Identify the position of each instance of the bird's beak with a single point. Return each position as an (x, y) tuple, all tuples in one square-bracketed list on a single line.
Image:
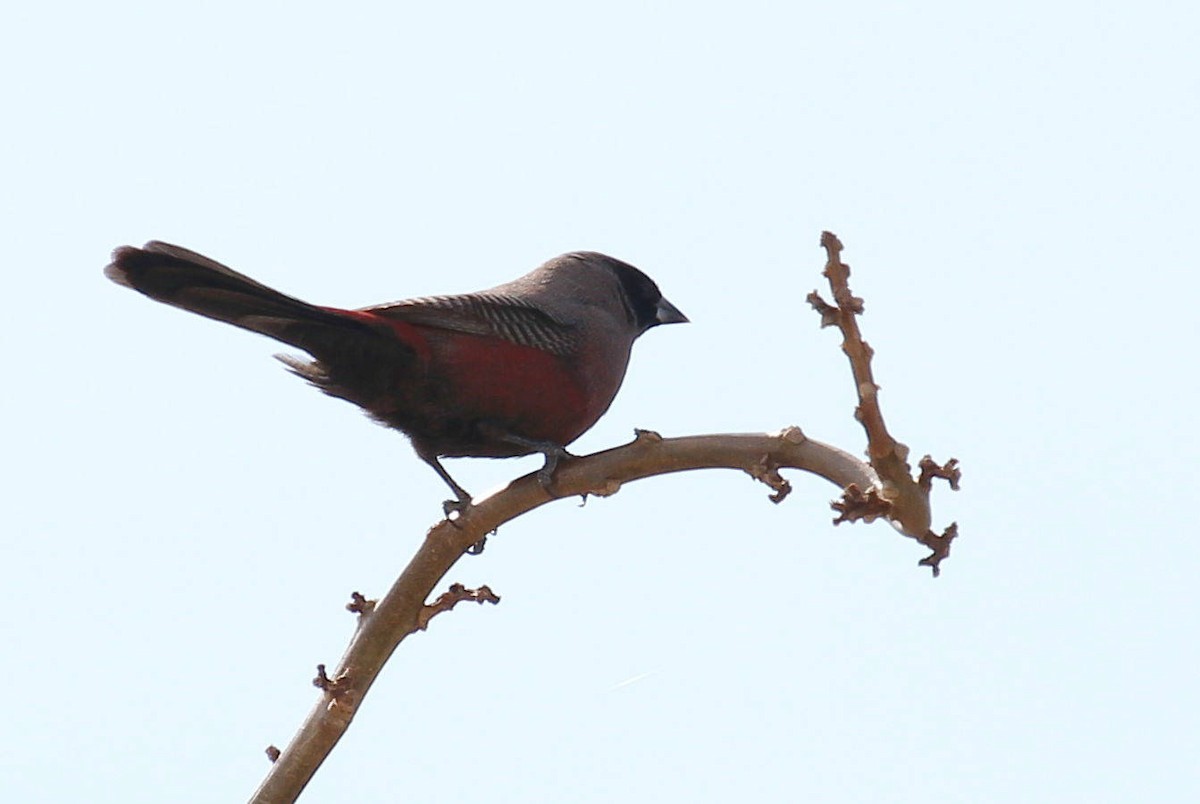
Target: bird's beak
[(669, 314)]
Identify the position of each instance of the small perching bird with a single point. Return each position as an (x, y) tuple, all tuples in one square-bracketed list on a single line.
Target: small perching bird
[(527, 366)]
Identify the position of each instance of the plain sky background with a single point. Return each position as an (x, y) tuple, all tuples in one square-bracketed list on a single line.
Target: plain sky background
[(1016, 186)]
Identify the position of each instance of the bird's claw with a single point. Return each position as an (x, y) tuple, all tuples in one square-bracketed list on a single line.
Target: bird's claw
[(554, 454), (459, 506)]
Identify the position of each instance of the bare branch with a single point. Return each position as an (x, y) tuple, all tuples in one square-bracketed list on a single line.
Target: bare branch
[(940, 546), (451, 598), (904, 501), (930, 469), (857, 505), (402, 610)]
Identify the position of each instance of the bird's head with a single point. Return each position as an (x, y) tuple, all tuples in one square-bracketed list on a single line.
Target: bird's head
[(643, 302)]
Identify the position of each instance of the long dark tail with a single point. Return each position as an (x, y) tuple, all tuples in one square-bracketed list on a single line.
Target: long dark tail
[(363, 363), (192, 282)]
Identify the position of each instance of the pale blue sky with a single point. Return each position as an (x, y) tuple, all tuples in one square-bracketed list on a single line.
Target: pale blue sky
[(1016, 186)]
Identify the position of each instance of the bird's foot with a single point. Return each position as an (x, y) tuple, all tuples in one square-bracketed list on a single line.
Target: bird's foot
[(459, 506), (554, 453)]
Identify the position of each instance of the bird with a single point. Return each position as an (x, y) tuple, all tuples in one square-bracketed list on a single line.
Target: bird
[(525, 367)]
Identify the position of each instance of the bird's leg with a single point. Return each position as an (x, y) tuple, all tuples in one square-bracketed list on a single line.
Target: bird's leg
[(449, 506), (552, 452)]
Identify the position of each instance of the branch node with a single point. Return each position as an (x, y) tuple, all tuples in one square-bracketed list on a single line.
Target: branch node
[(766, 470), (359, 604), (828, 313), (858, 505), (273, 753), (646, 436), (948, 471), (610, 487), (451, 598), (940, 545), (793, 435), (900, 451), (338, 691), (323, 681), (831, 244)]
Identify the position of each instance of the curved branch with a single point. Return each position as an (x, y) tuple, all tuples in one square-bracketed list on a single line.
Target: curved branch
[(402, 611), (898, 497)]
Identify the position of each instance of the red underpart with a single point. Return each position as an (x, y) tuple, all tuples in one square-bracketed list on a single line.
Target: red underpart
[(528, 391), (532, 392)]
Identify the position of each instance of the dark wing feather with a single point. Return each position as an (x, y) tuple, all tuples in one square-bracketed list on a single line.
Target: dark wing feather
[(489, 314)]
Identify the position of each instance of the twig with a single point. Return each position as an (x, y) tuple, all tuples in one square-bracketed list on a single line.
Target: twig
[(899, 498), (359, 604), (451, 598)]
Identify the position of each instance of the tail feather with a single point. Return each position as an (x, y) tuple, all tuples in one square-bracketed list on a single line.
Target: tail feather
[(355, 357), (193, 282)]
